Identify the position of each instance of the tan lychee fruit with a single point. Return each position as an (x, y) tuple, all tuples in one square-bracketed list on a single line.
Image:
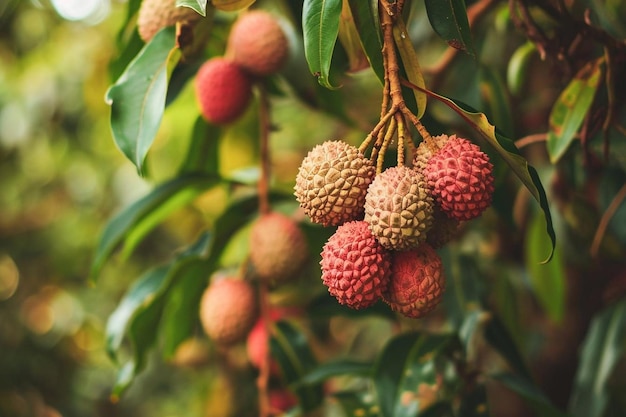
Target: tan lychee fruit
[(228, 310), (278, 248), (355, 267), (461, 179), (398, 208), (223, 90), (332, 182), (444, 229), (425, 151), (257, 43), (417, 282), (154, 15)]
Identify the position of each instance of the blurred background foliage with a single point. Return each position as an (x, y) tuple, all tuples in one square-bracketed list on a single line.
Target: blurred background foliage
[(62, 178)]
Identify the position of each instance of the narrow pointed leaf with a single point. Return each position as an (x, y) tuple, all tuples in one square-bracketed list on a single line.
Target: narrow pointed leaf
[(349, 37), (542, 406), (411, 64), (337, 368), (232, 5), (137, 98), (320, 23), (571, 108), (603, 347), (203, 153), (198, 5), (367, 22), (449, 19)]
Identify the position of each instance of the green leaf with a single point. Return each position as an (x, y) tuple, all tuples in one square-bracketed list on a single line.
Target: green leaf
[(137, 98), (203, 153), (508, 152), (198, 5), (337, 368), (365, 15), (602, 349), (320, 22), (474, 402), (291, 349), (449, 20), (530, 393), (232, 5), (405, 370), (548, 280), (500, 339), (517, 69), (147, 208), (570, 109), (411, 64), (356, 404)]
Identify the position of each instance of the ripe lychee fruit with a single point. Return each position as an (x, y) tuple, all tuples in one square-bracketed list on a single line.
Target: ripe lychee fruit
[(278, 248), (155, 15), (425, 151), (417, 281), (223, 90), (332, 182), (398, 208), (355, 267), (257, 43), (228, 310), (461, 179)]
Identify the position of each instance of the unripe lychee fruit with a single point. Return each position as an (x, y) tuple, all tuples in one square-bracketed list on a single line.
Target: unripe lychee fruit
[(154, 15), (355, 267), (461, 179), (424, 152), (278, 248), (228, 310), (332, 182), (417, 281), (257, 43), (223, 90), (398, 208)]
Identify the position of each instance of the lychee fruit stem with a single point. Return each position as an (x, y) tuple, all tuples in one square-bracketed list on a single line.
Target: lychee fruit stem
[(264, 131), (262, 381), (391, 129)]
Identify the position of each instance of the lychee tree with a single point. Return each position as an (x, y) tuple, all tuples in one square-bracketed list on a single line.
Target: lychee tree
[(385, 228)]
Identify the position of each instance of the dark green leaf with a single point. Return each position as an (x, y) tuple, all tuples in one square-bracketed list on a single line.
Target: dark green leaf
[(517, 69), (449, 19), (602, 348), (530, 393), (474, 403), (548, 280), (337, 368), (202, 156), (571, 108), (405, 373), (494, 95), (137, 98), (365, 15), (356, 404), (291, 349), (198, 5), (139, 215), (500, 339), (320, 22), (129, 51)]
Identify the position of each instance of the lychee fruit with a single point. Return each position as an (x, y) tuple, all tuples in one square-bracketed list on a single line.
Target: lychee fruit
[(426, 150), (398, 208), (281, 400), (228, 310), (417, 282), (355, 267), (223, 90), (278, 248), (461, 179), (155, 15), (257, 43), (444, 229), (332, 182)]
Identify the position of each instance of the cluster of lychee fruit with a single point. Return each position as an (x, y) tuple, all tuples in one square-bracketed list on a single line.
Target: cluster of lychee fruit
[(390, 223), (256, 47)]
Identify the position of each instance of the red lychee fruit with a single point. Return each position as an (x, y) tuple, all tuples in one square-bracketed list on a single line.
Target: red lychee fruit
[(228, 310), (424, 152), (154, 15), (281, 400), (461, 179), (223, 91), (257, 43), (417, 281), (278, 248), (355, 267), (332, 182)]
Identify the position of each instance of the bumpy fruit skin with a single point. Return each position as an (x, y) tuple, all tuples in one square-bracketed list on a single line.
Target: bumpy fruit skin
[(444, 229), (332, 182), (423, 152), (223, 90), (228, 309), (398, 208), (417, 282), (355, 267), (461, 179), (278, 248), (257, 43), (154, 15)]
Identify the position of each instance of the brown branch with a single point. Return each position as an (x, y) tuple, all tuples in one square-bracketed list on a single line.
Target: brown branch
[(264, 132), (606, 219), (263, 378)]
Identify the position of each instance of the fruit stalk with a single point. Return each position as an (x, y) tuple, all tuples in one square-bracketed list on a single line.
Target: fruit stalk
[(264, 132)]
